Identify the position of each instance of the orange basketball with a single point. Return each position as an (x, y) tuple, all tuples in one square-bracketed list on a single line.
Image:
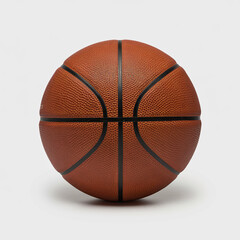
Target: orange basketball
[(120, 120)]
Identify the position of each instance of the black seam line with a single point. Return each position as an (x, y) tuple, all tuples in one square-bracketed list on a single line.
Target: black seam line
[(120, 125), (122, 119), (104, 130), (86, 156), (161, 76), (135, 124), (150, 151), (120, 110), (89, 86)]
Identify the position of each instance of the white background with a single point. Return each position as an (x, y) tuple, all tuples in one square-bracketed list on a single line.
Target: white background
[(37, 36)]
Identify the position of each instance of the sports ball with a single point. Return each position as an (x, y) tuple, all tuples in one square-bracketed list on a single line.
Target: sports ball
[(120, 120)]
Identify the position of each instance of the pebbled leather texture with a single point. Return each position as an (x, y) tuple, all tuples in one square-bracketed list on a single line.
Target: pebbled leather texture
[(141, 64), (173, 141), (142, 174), (98, 64), (98, 176), (67, 97), (66, 143), (174, 95)]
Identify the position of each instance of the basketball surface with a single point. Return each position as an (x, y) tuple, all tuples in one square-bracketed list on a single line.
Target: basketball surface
[(120, 120)]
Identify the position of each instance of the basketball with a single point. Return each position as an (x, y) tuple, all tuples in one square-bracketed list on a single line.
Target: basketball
[(120, 120)]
